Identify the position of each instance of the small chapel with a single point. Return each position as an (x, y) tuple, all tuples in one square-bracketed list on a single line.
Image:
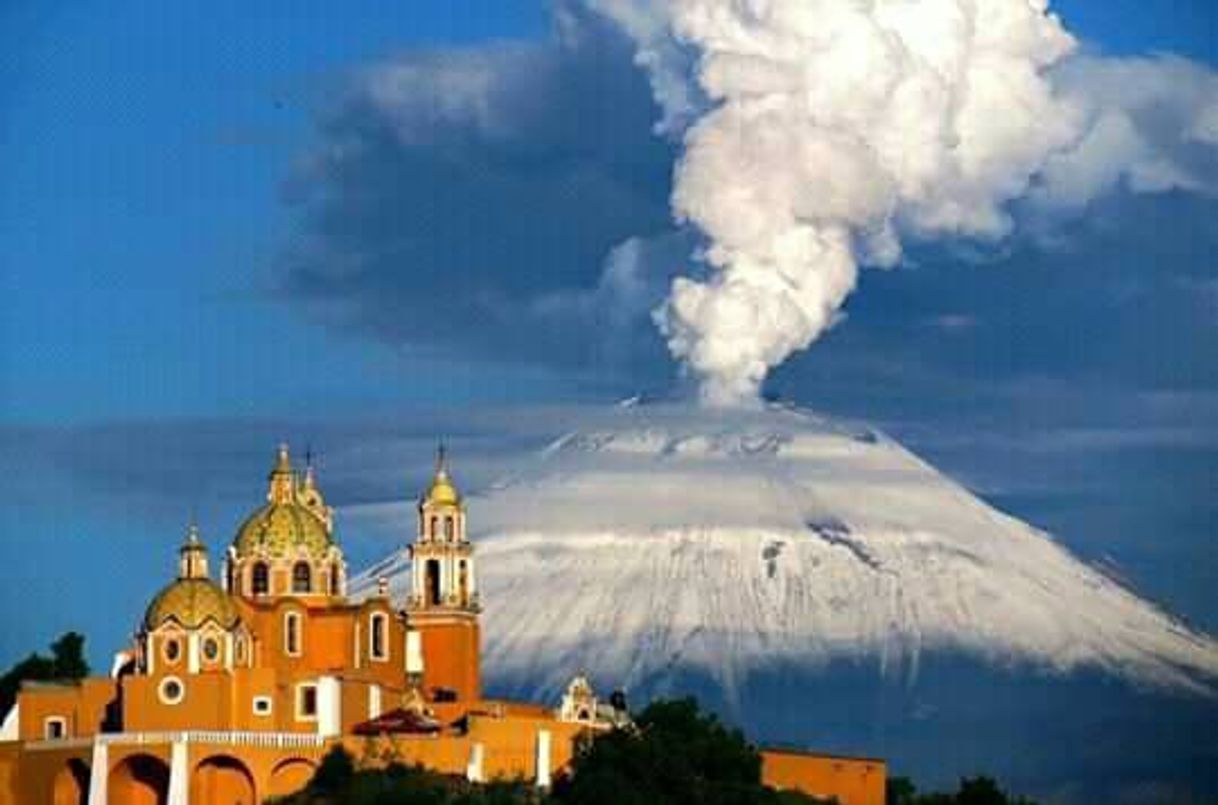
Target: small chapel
[(235, 686)]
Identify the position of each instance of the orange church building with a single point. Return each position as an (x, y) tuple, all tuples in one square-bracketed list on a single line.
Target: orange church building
[(232, 691)]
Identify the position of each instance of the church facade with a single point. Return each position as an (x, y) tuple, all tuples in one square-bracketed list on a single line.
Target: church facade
[(233, 689)]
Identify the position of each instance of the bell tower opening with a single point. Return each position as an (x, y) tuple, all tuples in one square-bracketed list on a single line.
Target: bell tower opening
[(433, 582)]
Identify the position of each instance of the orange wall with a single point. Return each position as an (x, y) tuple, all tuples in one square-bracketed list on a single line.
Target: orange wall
[(508, 751), (853, 781), (34, 779), (82, 705), (207, 704), (509, 744), (450, 656), (509, 747), (10, 765), (328, 638)]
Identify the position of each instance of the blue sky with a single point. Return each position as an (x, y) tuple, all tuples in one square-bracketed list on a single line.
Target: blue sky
[(166, 318)]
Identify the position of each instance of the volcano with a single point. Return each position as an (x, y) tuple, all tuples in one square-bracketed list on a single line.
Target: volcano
[(819, 583)]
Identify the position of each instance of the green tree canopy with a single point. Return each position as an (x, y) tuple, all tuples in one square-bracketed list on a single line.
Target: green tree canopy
[(972, 791), (67, 663), (674, 755)]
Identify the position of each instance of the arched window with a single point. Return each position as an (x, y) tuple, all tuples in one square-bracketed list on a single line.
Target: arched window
[(433, 532), (335, 587), (172, 648), (463, 581), (376, 636), (291, 633), (448, 528), (261, 579), (301, 577), (433, 582)]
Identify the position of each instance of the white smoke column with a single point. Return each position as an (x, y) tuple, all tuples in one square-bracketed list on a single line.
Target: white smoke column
[(815, 131), (832, 123)]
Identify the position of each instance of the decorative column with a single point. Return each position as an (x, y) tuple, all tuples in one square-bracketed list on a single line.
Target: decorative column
[(99, 772), (329, 707), (473, 771), (374, 701), (179, 773), (192, 652), (543, 759), (414, 656)]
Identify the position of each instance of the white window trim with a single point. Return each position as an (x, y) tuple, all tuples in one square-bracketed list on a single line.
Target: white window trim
[(287, 618), (267, 702), (219, 658), (46, 727), (384, 654), (300, 688), (160, 690), (165, 640)]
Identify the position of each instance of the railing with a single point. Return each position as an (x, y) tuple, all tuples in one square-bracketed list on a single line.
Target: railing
[(265, 740), (58, 743)]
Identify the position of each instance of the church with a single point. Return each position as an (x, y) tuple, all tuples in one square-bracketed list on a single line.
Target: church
[(234, 687)]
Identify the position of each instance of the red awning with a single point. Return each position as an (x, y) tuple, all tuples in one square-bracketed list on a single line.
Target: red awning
[(399, 720)]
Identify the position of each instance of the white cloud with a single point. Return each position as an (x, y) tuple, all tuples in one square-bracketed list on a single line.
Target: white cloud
[(834, 127)]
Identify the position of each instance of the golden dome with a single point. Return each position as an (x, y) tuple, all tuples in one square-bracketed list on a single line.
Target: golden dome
[(293, 519), (191, 603), (442, 491), (282, 530)]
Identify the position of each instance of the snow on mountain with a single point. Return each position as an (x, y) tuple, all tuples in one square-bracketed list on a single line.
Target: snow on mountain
[(658, 537)]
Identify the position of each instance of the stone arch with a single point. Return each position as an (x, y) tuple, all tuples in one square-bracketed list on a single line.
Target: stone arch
[(289, 776), (71, 786), (222, 780), (139, 780)]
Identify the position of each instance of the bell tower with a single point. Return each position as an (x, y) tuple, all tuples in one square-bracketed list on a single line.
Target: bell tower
[(443, 604)]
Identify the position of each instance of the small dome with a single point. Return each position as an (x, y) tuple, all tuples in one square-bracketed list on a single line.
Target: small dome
[(442, 491), (191, 603), (281, 530)]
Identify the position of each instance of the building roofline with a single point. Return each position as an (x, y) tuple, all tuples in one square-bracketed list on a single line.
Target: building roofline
[(781, 749)]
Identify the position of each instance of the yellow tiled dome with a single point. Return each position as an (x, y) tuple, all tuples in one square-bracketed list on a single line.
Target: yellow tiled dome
[(286, 524), (282, 530), (191, 603)]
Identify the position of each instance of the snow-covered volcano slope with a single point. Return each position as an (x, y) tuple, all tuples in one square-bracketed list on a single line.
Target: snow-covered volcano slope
[(660, 537)]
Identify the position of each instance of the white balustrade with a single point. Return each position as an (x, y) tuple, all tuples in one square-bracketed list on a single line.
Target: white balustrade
[(266, 740)]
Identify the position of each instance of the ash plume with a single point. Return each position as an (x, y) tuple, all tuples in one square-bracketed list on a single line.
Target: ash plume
[(817, 135)]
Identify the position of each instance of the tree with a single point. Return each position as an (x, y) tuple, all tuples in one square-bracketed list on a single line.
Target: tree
[(673, 755), (334, 772), (979, 790), (68, 654), (66, 663), (900, 791)]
